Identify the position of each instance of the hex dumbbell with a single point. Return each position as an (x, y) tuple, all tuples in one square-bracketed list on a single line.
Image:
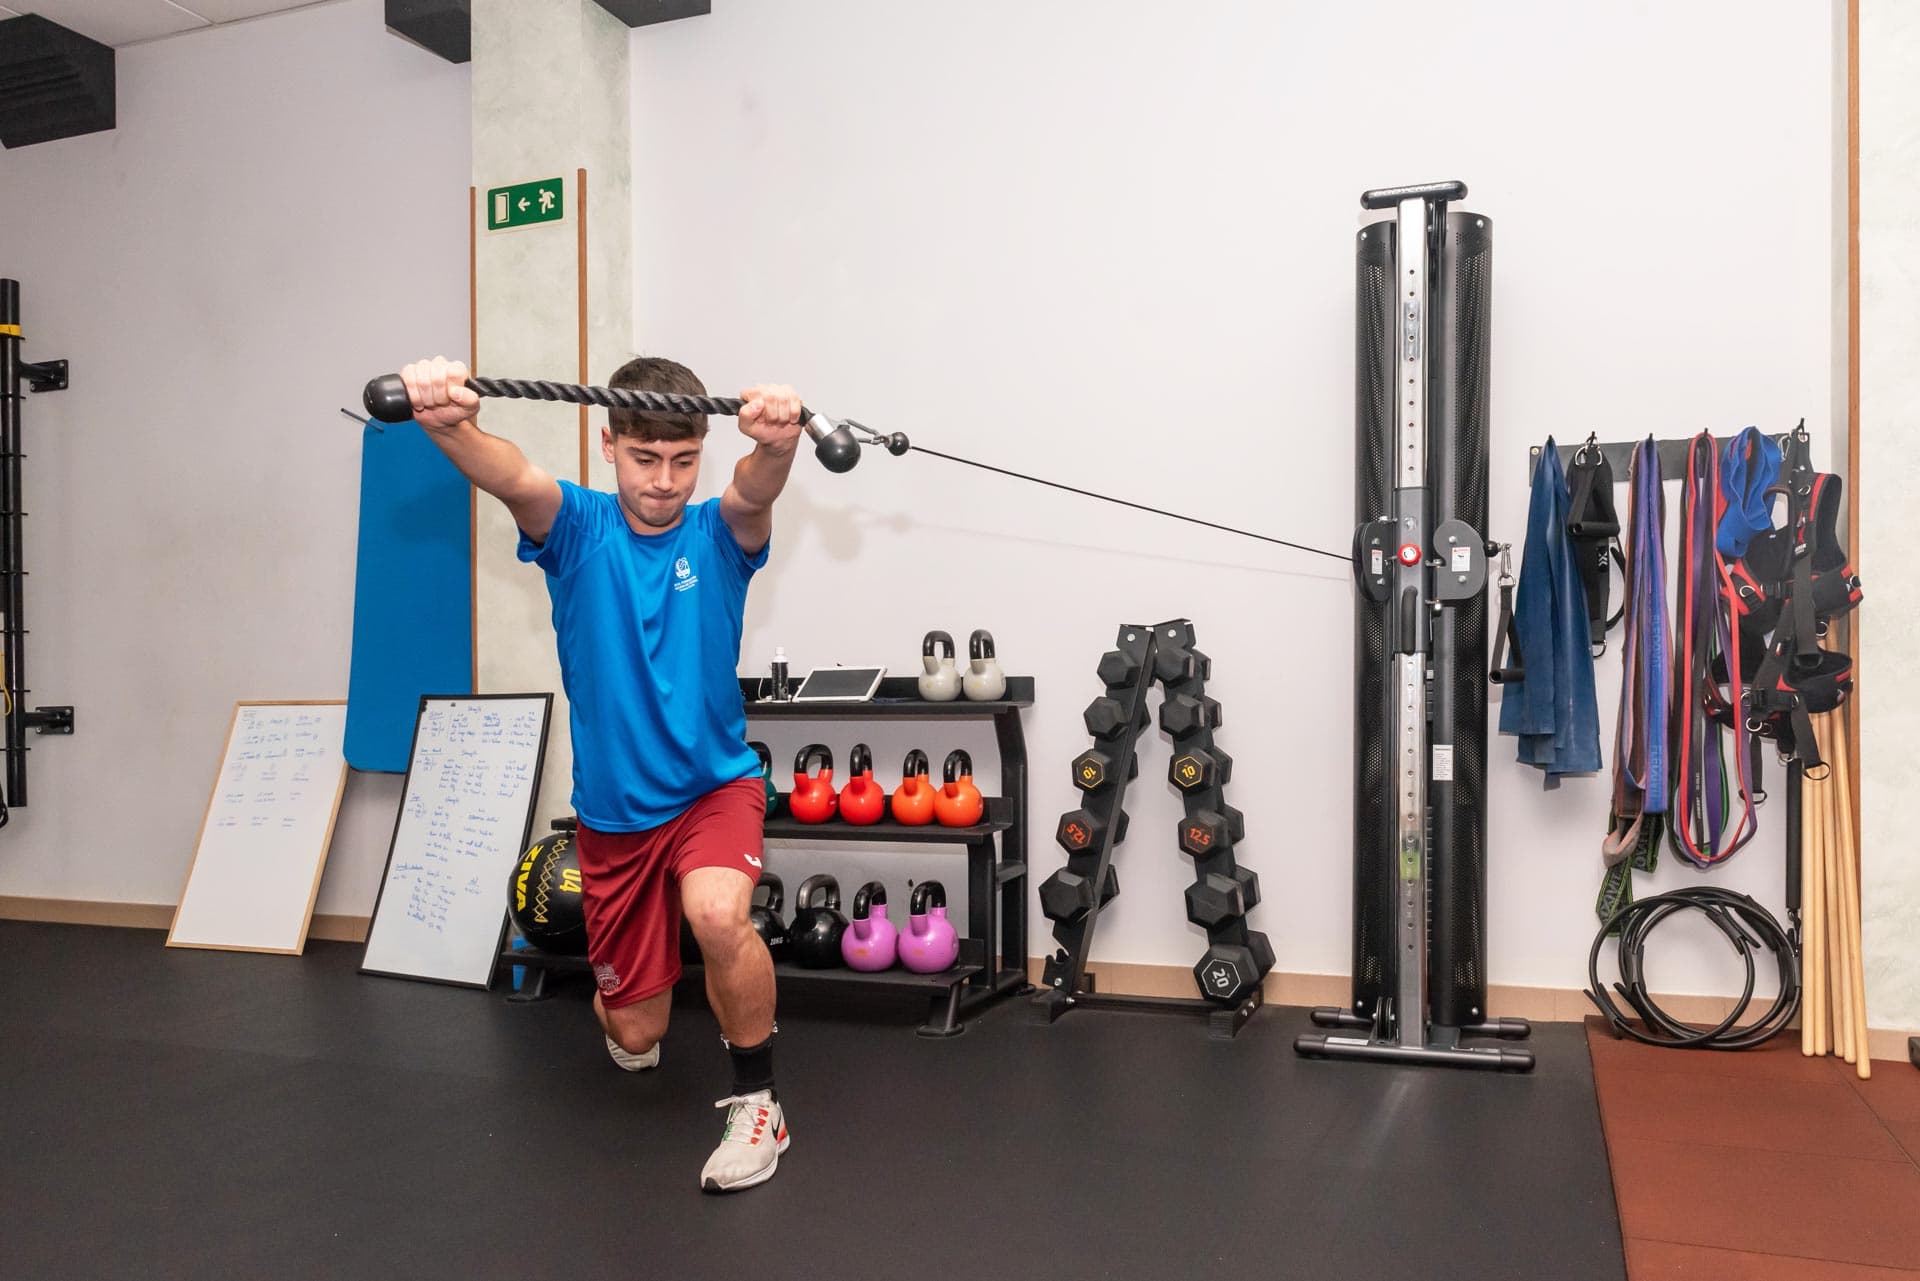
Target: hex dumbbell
[(1093, 770), (1183, 714), (1230, 971), (1202, 833), (1105, 717), (1081, 830), (1067, 896), (1175, 665), (1118, 669), (1199, 769), (1216, 898)]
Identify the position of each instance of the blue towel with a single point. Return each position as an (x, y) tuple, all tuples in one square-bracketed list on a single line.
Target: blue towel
[(1745, 491), (1553, 711)]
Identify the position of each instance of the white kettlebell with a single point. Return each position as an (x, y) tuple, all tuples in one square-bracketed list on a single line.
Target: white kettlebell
[(984, 680), (939, 678)]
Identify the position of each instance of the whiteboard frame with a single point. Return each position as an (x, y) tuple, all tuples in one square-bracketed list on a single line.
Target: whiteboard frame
[(400, 814), (326, 841)]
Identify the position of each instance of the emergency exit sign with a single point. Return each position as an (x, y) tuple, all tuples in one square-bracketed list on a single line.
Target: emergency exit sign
[(525, 203)]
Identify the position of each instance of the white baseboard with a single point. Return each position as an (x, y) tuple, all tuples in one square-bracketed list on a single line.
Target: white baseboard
[(155, 916), (1537, 1004)]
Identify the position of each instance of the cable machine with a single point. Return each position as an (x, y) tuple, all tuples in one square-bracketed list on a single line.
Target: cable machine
[(1420, 643)]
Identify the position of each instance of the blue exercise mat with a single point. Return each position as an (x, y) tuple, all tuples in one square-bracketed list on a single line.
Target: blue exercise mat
[(412, 592)]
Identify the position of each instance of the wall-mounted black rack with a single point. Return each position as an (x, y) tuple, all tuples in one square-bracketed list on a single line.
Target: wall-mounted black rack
[(38, 376), (1619, 453)]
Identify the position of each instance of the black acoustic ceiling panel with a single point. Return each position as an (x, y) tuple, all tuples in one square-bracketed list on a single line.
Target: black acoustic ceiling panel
[(640, 13), (444, 27), (54, 83)]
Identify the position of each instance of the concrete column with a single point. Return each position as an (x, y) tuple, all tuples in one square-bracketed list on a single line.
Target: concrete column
[(549, 99), (1889, 478)]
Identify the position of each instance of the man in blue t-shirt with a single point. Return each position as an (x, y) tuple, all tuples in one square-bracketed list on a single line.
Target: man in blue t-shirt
[(648, 595)]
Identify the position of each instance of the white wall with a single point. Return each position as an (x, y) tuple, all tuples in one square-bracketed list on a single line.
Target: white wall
[(1111, 244), (280, 215)]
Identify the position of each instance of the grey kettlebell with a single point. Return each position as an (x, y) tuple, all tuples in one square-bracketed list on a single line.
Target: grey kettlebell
[(939, 678), (817, 924), (984, 680)]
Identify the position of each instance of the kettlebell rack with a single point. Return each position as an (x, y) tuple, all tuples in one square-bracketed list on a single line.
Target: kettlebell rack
[(1237, 958), (993, 948), (993, 951)]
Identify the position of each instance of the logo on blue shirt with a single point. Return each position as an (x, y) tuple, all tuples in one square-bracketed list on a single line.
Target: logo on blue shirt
[(684, 573)]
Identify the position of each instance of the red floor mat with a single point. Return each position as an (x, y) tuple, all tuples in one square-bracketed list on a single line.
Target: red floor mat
[(1760, 1164)]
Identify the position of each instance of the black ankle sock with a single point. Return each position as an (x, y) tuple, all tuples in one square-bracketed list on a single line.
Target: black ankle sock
[(752, 1067)]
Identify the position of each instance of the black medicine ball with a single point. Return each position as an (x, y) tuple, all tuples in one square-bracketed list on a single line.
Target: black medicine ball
[(543, 897)]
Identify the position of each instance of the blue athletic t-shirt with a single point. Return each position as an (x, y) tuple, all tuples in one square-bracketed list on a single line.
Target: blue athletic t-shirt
[(648, 627)]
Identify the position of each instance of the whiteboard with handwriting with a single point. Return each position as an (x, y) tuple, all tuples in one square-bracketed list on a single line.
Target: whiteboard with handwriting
[(269, 822), (465, 817)]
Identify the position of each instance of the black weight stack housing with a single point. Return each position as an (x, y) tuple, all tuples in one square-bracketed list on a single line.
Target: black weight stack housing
[(1457, 475)]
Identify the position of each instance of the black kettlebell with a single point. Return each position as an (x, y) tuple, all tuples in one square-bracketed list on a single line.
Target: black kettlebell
[(769, 897), (817, 924)]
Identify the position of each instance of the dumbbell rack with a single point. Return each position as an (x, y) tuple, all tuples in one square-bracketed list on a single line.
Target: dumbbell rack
[(1237, 958), (993, 949)]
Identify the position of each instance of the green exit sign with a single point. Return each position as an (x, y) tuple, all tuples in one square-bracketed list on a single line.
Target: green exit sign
[(525, 203)]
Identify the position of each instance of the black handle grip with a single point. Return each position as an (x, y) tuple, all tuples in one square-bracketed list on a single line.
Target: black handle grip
[(1794, 889), (386, 400), (1388, 197)]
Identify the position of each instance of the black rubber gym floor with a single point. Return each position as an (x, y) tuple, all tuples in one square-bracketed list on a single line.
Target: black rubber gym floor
[(202, 1114)]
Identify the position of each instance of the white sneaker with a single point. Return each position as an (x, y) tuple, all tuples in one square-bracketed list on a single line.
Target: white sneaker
[(634, 1062), (750, 1148)]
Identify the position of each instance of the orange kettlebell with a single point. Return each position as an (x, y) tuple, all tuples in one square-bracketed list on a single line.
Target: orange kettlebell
[(862, 800), (913, 799), (813, 799), (958, 802)]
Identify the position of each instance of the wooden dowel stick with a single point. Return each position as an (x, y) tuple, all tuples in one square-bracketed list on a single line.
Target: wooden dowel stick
[(1850, 887), (1816, 903), (1841, 1002), (1809, 928)]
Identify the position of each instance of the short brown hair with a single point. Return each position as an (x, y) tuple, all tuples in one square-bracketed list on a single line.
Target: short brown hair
[(656, 373)]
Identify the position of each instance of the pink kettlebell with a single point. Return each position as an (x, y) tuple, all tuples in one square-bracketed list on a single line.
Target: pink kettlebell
[(929, 944), (871, 941)]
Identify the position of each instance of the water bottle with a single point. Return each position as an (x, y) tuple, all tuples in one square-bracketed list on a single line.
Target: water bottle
[(780, 691)]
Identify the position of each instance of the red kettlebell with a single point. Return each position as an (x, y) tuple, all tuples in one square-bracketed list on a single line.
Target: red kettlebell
[(958, 803), (813, 799), (913, 799), (862, 800)]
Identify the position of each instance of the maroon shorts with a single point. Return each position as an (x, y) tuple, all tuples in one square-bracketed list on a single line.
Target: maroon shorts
[(630, 885)]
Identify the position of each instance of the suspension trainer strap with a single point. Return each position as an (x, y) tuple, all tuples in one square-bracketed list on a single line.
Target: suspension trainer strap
[(1800, 578), (1702, 709), (1506, 635), (1638, 820), (1594, 525)]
